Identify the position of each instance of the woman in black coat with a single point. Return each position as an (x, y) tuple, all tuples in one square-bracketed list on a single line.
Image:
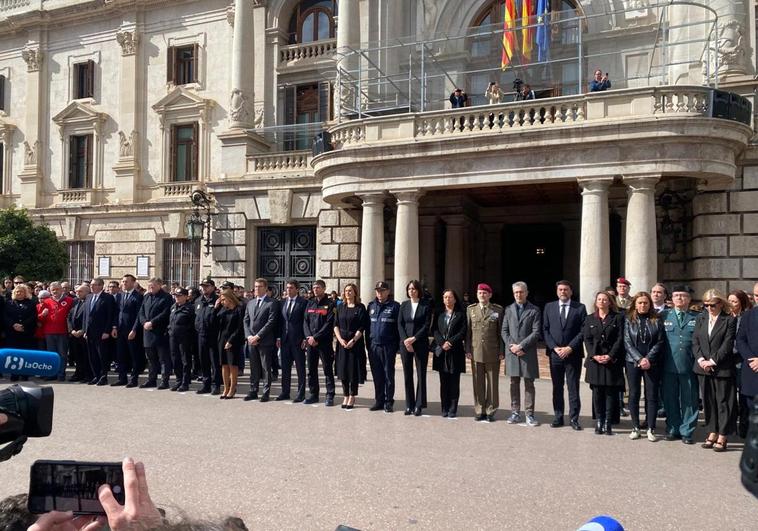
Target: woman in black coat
[(350, 326), (230, 341), (644, 343), (449, 353), (712, 344), (20, 321), (603, 338), (414, 324)]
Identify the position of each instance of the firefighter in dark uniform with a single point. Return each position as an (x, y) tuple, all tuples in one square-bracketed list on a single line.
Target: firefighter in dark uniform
[(318, 328), (181, 334), (207, 340)]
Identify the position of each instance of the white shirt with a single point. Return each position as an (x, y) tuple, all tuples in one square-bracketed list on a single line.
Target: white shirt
[(711, 323), (414, 306)]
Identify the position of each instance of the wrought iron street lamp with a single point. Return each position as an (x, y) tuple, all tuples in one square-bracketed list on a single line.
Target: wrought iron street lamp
[(200, 220)]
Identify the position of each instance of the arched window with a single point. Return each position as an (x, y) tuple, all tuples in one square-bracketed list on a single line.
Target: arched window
[(312, 20)]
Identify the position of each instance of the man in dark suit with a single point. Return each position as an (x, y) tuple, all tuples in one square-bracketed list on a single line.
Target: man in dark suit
[(562, 323), (100, 318), (129, 353), (747, 346), (153, 319), (78, 345), (291, 341), (260, 323)]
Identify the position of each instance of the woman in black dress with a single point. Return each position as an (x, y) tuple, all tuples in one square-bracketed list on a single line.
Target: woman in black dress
[(603, 337), (449, 353), (20, 321), (349, 329), (230, 339)]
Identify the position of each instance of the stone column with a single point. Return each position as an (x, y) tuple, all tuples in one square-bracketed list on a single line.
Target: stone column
[(641, 266), (457, 257), (428, 253), (348, 39), (240, 100), (406, 241), (127, 171), (30, 177), (372, 244), (594, 253)]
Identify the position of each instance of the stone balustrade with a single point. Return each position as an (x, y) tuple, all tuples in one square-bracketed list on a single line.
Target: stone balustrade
[(288, 161), (75, 197), (177, 190), (12, 5), (308, 51)]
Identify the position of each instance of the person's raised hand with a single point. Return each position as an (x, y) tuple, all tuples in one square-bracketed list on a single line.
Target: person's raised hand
[(138, 512), (60, 521)]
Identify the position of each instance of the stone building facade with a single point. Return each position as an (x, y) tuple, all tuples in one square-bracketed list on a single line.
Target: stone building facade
[(114, 111)]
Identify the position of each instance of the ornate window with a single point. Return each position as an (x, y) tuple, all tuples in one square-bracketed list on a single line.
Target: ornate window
[(312, 20), (182, 64), (80, 162), (80, 127), (84, 80), (184, 152), (181, 261)]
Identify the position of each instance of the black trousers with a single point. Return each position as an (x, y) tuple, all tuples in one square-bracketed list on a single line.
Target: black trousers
[(261, 363), (181, 357), (450, 391), (77, 349), (382, 358), (568, 370), (634, 376), (158, 357), (719, 404), (293, 354), (605, 400), (210, 362), (129, 354), (99, 357), (414, 398), (313, 355)]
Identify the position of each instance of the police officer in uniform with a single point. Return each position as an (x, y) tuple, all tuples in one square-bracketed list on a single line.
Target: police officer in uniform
[(318, 328), (181, 334), (384, 343), (484, 347), (680, 385), (207, 340)]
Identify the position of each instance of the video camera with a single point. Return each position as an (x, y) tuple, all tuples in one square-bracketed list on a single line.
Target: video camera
[(517, 84)]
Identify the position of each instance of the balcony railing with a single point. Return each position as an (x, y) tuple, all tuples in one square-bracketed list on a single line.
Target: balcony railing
[(174, 190), (289, 55), (287, 162), (75, 197)]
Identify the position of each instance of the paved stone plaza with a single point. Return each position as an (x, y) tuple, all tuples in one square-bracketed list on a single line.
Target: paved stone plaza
[(280, 465)]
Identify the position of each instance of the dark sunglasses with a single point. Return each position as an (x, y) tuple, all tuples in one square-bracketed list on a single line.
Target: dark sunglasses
[(711, 305)]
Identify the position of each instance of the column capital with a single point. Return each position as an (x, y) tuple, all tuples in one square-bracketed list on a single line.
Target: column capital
[(128, 40), (641, 183), (32, 56), (372, 198), (595, 185), (407, 196)]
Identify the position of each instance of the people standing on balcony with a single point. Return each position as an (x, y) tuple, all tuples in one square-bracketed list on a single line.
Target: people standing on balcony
[(485, 349), (349, 329), (603, 334), (493, 94), (525, 93), (291, 341), (600, 82), (562, 323), (739, 304), (643, 342), (459, 99), (679, 383), (383, 342), (449, 353), (414, 324), (522, 326), (713, 343)]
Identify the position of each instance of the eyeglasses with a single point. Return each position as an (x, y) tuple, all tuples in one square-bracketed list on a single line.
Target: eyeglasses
[(711, 304)]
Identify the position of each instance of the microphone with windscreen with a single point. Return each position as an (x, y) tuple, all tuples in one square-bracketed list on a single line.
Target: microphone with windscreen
[(29, 362)]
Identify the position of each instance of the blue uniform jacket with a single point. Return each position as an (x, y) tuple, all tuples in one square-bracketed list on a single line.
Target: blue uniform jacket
[(384, 316)]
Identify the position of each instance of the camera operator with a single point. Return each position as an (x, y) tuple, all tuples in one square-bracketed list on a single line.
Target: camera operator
[(601, 82), (526, 93)]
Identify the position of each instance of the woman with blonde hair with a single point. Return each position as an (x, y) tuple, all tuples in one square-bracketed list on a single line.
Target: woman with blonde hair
[(712, 347), (20, 321), (350, 326), (230, 340)]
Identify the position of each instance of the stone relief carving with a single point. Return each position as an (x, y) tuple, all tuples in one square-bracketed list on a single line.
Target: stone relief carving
[(238, 106), (128, 41), (230, 15), (32, 56), (31, 152), (731, 50), (258, 116), (127, 144)]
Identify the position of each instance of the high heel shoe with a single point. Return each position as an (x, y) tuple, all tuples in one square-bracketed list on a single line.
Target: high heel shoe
[(223, 397), (720, 446), (350, 403), (708, 444)]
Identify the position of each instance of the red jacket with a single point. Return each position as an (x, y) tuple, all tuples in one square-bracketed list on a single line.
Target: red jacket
[(57, 312)]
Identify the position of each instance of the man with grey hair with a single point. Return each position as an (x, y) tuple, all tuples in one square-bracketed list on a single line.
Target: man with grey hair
[(77, 344), (53, 321), (521, 331)]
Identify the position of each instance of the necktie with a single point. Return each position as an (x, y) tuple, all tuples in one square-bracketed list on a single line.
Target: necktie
[(679, 317), (518, 312), (563, 313), (257, 306), (289, 308), (92, 304)]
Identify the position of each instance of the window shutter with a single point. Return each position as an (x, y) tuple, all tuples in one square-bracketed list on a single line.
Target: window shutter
[(195, 150), (195, 62), (90, 92), (290, 98), (172, 155), (170, 58), (2, 92), (71, 162), (324, 101), (88, 151)]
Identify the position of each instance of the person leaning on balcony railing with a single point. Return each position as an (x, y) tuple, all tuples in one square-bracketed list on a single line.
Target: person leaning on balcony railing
[(600, 82)]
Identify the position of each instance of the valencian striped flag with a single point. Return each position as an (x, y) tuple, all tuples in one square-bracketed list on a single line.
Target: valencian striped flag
[(527, 33), (509, 36), (543, 30)]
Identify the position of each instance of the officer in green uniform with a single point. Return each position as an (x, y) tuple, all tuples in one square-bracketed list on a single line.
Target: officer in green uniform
[(680, 386), (485, 349)]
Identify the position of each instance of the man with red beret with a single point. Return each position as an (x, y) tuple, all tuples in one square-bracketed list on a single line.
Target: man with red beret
[(623, 300), (485, 349)]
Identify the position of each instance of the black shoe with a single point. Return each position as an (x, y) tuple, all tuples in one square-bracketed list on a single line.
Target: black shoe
[(608, 427), (175, 387), (329, 401), (599, 427), (388, 408), (250, 396), (298, 399), (742, 430), (444, 414), (264, 397), (557, 423), (311, 400), (408, 411), (93, 381), (452, 414), (688, 440), (479, 418), (203, 390), (103, 381), (344, 406), (350, 406), (215, 391), (575, 425), (661, 413), (491, 418), (417, 412), (376, 407), (223, 397), (132, 383), (149, 383), (119, 382), (162, 386), (282, 397), (183, 388), (671, 437)]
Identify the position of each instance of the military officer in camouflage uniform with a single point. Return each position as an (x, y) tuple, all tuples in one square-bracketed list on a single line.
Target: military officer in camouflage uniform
[(484, 347)]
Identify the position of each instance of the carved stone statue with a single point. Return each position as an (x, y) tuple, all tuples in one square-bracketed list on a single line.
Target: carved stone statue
[(238, 107), (127, 144), (731, 44), (259, 116), (30, 153)]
